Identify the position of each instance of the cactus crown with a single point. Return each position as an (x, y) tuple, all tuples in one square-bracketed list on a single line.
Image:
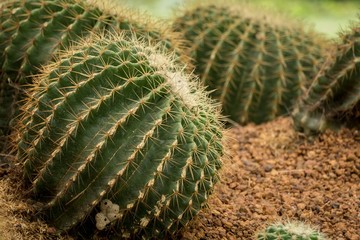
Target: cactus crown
[(110, 120), (257, 65), (334, 95), (289, 230)]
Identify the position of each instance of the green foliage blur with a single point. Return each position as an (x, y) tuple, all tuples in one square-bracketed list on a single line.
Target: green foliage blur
[(327, 16)]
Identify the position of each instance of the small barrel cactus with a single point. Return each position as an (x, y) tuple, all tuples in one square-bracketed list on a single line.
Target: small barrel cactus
[(257, 64), (289, 231), (32, 31), (334, 95), (114, 118)]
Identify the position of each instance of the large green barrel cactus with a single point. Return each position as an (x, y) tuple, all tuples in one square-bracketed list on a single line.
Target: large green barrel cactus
[(118, 120), (257, 64), (32, 31), (289, 231), (334, 96)]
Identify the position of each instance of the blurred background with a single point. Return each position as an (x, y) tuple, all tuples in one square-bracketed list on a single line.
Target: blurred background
[(327, 16)]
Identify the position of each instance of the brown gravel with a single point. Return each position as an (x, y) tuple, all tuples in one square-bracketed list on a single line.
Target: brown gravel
[(275, 173), (272, 173)]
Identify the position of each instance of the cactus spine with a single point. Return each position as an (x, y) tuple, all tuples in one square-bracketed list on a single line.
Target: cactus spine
[(257, 65), (288, 231), (116, 119), (333, 97)]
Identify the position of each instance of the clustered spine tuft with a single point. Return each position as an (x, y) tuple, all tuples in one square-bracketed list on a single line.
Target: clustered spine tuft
[(334, 95), (257, 64), (114, 118)]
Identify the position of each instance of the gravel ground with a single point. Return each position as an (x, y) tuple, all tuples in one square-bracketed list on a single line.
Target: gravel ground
[(274, 173)]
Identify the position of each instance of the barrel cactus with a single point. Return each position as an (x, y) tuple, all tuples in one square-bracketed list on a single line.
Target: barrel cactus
[(334, 96), (32, 31), (289, 231), (258, 64), (117, 119)]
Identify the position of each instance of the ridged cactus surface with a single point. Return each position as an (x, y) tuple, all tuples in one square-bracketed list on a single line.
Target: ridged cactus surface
[(258, 64), (116, 119), (334, 96), (289, 231), (32, 31)]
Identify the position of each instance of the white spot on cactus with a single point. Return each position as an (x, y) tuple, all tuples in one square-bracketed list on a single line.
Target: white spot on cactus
[(100, 226), (101, 221), (113, 216), (105, 204), (109, 213), (113, 208)]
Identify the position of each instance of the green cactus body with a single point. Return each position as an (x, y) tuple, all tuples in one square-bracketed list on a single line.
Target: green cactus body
[(32, 31), (333, 97), (257, 65), (116, 119), (289, 231)]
